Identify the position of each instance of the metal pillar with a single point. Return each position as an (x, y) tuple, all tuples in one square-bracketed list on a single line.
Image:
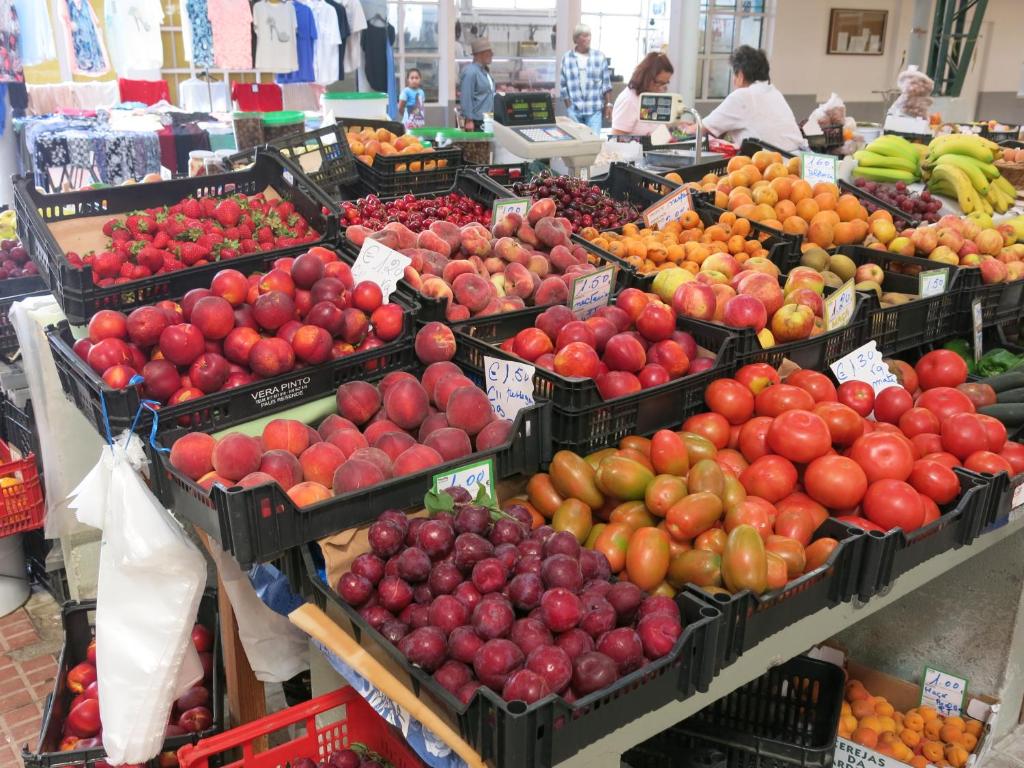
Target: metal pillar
[(951, 46), (683, 42), (920, 26)]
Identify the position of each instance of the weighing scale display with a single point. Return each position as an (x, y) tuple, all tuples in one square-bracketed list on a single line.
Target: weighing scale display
[(543, 133), (656, 109), (514, 109)]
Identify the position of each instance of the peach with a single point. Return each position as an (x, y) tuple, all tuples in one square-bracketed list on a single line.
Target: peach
[(271, 357), (277, 279), (145, 324), (358, 401), (328, 289), (507, 225), (476, 242), (472, 291), (393, 378), (207, 481), (306, 270), (357, 234), (493, 265), (287, 331), (562, 258), (527, 234), (355, 474), (518, 281), (181, 344), (469, 409), (286, 434), (406, 404), (188, 301), (319, 462), (450, 442), (538, 264), (511, 304), (236, 455), (671, 356), (192, 454), (435, 342), (457, 267), (355, 325), (406, 237), (551, 291), (624, 352), (230, 284), (457, 313), (433, 242), (435, 372), (376, 457), (333, 423), (308, 493), (436, 288), (433, 422), (282, 466), (448, 232), (272, 310), (254, 479), (348, 440), (540, 209), (314, 436), (494, 435), (551, 233), (447, 385), (312, 344), (394, 443), (418, 458)]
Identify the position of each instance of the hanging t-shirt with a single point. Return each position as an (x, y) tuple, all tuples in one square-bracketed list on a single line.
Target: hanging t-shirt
[(353, 58), (232, 33), (201, 35), (37, 43), (87, 52), (326, 51), (11, 70), (133, 35), (375, 52), (305, 40), (275, 24), (343, 34), (257, 97), (194, 95)]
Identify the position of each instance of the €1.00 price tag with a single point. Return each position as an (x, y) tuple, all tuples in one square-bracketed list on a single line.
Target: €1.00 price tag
[(864, 364), (381, 265), (815, 168), (506, 205), (509, 386), (669, 208), (943, 691), (591, 291), (839, 306), (931, 283), (471, 477)]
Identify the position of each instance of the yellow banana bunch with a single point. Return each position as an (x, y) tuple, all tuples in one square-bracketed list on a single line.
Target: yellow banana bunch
[(957, 161), (888, 158), (952, 181)]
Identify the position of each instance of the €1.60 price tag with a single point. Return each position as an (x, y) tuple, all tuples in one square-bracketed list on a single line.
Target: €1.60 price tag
[(839, 306), (864, 364), (509, 386), (931, 283), (943, 691), (471, 477), (591, 291), (669, 208), (381, 265), (815, 168), (506, 205)]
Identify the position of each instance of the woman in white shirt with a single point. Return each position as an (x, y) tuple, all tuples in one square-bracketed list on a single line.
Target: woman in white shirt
[(652, 75), (755, 108)]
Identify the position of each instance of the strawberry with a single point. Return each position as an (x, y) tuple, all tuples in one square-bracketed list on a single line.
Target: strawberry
[(139, 272), (248, 246), (132, 222), (151, 258), (126, 269), (245, 230), (191, 253), (146, 224), (232, 233), (209, 206), (228, 253), (110, 225), (161, 240), (285, 209), (228, 212), (107, 264), (192, 208), (265, 234), (121, 235)]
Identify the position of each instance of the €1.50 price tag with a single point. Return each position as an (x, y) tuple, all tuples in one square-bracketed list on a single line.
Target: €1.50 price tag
[(591, 291), (815, 168), (509, 386), (943, 691), (931, 283), (471, 477), (839, 306), (669, 208), (864, 364), (506, 205), (381, 265)]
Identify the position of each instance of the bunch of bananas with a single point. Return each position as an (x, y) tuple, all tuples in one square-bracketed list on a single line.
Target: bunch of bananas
[(961, 166), (8, 225), (889, 159)]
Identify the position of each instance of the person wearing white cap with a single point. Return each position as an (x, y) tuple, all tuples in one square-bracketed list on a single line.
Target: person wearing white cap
[(476, 86)]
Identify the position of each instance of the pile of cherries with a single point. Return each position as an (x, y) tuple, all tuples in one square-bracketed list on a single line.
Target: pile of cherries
[(583, 204), (417, 213)]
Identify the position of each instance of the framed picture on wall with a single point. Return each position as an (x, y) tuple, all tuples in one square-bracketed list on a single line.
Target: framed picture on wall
[(856, 33)]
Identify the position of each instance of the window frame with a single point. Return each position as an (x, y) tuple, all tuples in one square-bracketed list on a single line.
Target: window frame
[(705, 56)]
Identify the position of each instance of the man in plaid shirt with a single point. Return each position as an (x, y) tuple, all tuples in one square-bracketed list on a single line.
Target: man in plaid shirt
[(585, 81)]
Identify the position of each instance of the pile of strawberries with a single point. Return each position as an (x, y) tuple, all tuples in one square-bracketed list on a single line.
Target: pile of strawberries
[(193, 232)]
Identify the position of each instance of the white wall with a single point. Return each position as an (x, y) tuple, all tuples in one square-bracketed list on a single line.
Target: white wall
[(1001, 52)]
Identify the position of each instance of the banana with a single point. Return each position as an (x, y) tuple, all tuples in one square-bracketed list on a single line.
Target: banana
[(978, 179), (988, 169), (958, 181), (960, 145), (884, 174), (894, 146), (978, 139), (996, 200), (1005, 186), (874, 160)]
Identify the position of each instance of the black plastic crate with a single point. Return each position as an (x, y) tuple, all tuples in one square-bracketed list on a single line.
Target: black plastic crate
[(831, 137), (12, 290), (787, 717), (581, 420), (918, 322), (913, 138), (101, 404), (1001, 303), (503, 175), (747, 619), (19, 428), (550, 730), (74, 289), (418, 174), (78, 619), (257, 524), (694, 173), (863, 195), (784, 258), (1000, 137), (1011, 143)]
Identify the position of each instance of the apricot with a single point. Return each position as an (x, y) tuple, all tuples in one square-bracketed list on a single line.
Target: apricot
[(873, 723), (913, 721), (932, 750), (956, 755), (910, 738), (192, 454), (950, 733), (968, 741), (862, 708), (865, 737), (927, 712), (973, 727), (319, 462), (919, 761), (286, 434), (849, 722), (956, 722), (933, 728), (236, 455)]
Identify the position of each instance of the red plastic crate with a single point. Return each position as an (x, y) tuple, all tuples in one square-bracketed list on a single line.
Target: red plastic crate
[(21, 505), (360, 724)]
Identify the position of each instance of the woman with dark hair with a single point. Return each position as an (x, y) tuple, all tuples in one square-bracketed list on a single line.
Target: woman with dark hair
[(652, 75), (755, 108)]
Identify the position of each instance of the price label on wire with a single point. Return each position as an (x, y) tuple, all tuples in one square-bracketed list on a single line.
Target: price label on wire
[(381, 265), (471, 477), (932, 283), (591, 291), (669, 208), (816, 168), (864, 364), (509, 386), (977, 322), (506, 205), (839, 306), (943, 691)]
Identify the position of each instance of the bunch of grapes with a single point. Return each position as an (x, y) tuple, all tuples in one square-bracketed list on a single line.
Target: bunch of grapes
[(922, 207)]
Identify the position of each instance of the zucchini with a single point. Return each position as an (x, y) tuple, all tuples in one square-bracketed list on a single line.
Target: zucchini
[(1015, 395), (1004, 381), (1011, 414)]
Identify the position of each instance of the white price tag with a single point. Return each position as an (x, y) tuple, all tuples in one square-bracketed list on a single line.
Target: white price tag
[(509, 386), (591, 291), (931, 283), (381, 265), (815, 168), (976, 321), (943, 691), (839, 306), (669, 208), (864, 364), (1016, 502), (470, 477), (506, 205), (850, 754)]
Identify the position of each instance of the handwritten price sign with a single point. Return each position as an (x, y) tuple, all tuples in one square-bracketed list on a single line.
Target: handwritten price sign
[(943, 691), (381, 265), (976, 321), (931, 283), (591, 291), (839, 306), (669, 208), (509, 386), (864, 364), (506, 205), (815, 168), (471, 477)]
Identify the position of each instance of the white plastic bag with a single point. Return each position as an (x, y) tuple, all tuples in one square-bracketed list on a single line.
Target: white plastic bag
[(151, 578), (831, 112), (915, 93)]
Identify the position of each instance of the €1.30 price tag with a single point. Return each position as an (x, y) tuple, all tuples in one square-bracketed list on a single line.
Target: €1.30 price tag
[(509, 386), (381, 265), (669, 208), (839, 306), (591, 291), (815, 168), (943, 691), (471, 477), (864, 364), (931, 283), (506, 205)]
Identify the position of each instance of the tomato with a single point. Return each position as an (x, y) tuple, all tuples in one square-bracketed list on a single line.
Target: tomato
[(927, 442), (979, 394), (935, 480), (799, 436), (801, 502), (662, 493), (943, 458), (776, 571), (669, 453), (893, 504), (613, 542), (757, 376), (883, 456), (918, 421), (844, 424), (698, 448), (634, 456), (714, 426), (734, 436), (731, 461), (731, 399), (636, 443), (861, 522), (696, 567), (963, 434), (750, 512), (744, 560), (891, 403), (905, 373), (858, 395), (634, 514), (986, 461), (647, 558), (941, 368), (770, 477), (818, 552), (945, 401), (712, 540), (995, 430), (795, 524), (837, 482), (573, 478), (754, 437), (931, 510), (790, 550), (781, 398), (817, 385), (575, 517), (692, 515), (542, 494), (1014, 453)]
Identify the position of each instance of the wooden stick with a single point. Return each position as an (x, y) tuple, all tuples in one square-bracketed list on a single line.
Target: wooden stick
[(316, 624)]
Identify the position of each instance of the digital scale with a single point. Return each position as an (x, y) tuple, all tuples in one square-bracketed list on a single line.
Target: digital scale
[(526, 126)]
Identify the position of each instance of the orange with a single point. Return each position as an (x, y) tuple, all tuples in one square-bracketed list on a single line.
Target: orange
[(880, 214), (784, 209), (773, 223), (738, 200), (721, 199), (689, 220), (762, 212), (783, 185), (844, 234), (932, 750), (761, 159), (848, 207), (862, 708), (826, 216), (826, 201), (776, 171), (736, 162), (865, 737), (828, 187), (806, 208), (821, 233)]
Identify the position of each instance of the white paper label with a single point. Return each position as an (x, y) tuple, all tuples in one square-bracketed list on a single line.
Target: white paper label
[(943, 691), (509, 386), (839, 306), (978, 329), (381, 265), (849, 754), (815, 168), (669, 208), (1017, 502), (864, 364), (931, 283), (591, 291), (506, 205), (470, 477)]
